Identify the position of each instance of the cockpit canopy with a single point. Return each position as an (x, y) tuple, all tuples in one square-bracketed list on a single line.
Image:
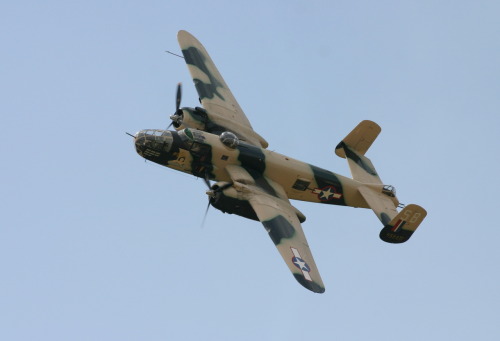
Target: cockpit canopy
[(152, 132), (229, 139)]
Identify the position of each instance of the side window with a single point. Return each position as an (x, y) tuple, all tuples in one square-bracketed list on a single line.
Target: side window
[(301, 184), (199, 148)]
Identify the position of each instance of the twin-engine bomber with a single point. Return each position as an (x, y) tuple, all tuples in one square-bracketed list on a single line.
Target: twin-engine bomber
[(217, 143)]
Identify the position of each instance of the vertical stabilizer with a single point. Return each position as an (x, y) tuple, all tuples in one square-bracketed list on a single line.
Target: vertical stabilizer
[(354, 146), (401, 227)]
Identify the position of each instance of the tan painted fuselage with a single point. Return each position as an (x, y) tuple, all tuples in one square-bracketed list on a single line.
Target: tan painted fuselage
[(300, 180)]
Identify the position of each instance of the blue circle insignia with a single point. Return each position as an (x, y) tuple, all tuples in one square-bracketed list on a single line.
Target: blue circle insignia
[(299, 262)]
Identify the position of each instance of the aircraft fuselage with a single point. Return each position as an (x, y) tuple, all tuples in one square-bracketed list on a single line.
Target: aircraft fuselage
[(204, 155)]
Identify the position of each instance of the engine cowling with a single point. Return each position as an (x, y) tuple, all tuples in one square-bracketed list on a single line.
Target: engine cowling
[(224, 197), (190, 118)]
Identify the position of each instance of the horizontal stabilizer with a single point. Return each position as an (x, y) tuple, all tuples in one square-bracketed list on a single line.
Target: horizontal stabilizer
[(401, 227), (354, 146), (382, 205), (360, 138), (361, 167)]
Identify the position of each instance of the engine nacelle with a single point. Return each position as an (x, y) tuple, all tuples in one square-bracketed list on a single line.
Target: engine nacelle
[(191, 118), (224, 197)]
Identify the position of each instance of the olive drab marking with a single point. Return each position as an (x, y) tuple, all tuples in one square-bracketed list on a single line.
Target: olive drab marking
[(327, 193), (301, 264), (324, 179), (206, 90)]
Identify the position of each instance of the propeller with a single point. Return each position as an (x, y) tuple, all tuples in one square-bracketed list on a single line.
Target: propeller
[(213, 191), (177, 116), (207, 182), (216, 189)]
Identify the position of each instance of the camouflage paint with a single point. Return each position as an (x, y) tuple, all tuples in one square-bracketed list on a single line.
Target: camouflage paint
[(252, 159), (354, 157), (194, 57), (389, 236), (326, 178), (231, 205), (279, 228), (313, 286)]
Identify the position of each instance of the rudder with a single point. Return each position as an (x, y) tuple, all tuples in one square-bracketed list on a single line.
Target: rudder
[(402, 226)]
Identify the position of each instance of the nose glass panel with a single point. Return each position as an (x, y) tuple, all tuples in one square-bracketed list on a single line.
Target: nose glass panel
[(153, 142)]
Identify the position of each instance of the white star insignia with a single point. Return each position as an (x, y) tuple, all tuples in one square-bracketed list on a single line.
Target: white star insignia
[(301, 264), (327, 193)]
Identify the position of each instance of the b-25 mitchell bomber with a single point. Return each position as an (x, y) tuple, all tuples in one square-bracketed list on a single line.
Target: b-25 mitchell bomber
[(216, 142)]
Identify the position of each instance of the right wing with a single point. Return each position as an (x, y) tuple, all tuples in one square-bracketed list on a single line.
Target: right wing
[(215, 96), (280, 220), (283, 226)]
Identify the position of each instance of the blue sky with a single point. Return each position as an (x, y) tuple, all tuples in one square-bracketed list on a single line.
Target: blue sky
[(96, 244)]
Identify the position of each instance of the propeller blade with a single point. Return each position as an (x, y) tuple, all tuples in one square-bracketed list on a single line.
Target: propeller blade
[(206, 213), (212, 194), (178, 97), (177, 116), (207, 181)]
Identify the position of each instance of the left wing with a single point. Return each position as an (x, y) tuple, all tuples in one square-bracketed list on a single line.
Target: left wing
[(280, 220), (215, 96)]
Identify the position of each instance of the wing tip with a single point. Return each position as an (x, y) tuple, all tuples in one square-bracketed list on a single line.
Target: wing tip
[(186, 37), (182, 32), (313, 286)]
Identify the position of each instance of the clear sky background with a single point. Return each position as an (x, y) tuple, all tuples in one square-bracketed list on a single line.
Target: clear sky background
[(96, 244)]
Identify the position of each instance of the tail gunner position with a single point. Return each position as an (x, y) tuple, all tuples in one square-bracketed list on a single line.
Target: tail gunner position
[(217, 143)]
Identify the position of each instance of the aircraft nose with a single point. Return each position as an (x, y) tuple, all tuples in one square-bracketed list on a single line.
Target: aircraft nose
[(153, 143), (143, 141), (140, 143)]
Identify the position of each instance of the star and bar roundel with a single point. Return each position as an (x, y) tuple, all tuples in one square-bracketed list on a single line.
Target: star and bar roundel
[(327, 193), (301, 264)]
